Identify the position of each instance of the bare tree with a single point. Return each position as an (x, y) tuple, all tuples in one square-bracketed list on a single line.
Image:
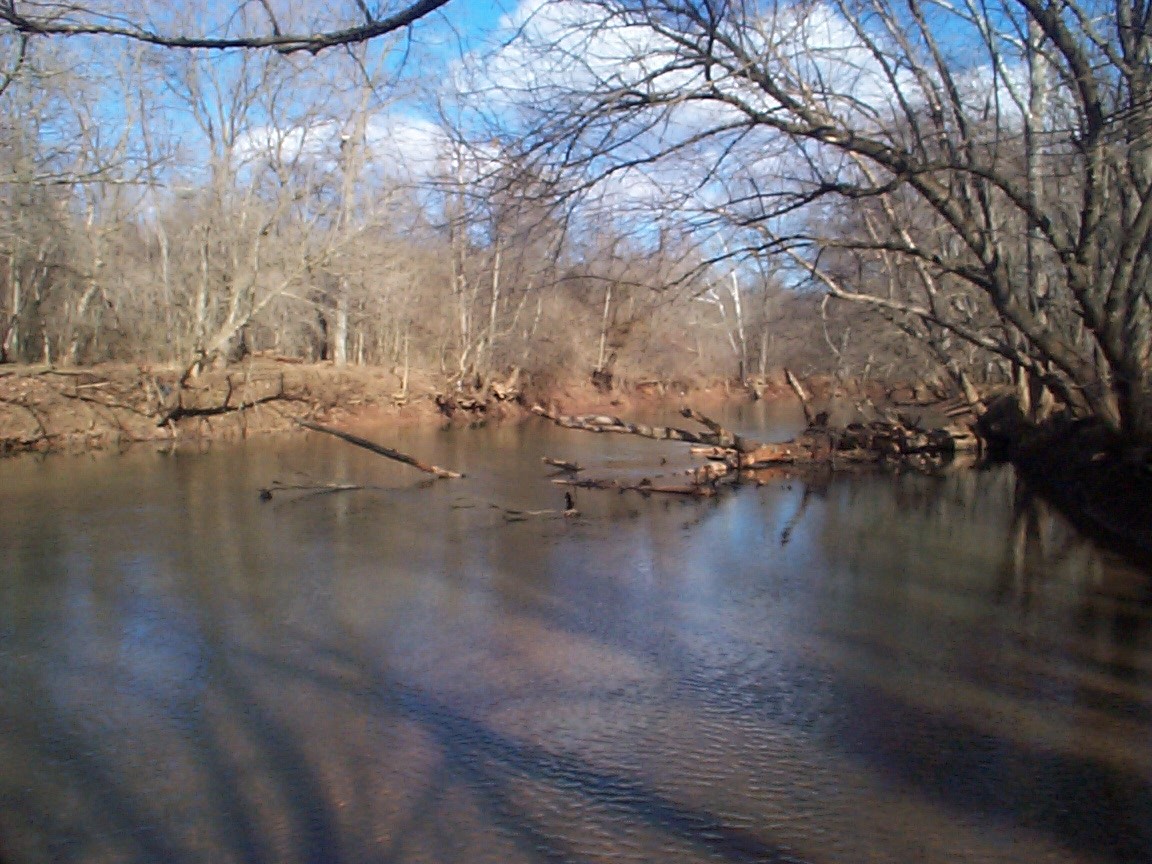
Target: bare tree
[(57, 170), (779, 114)]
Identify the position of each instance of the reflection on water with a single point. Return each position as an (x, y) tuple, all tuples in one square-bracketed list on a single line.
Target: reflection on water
[(872, 668)]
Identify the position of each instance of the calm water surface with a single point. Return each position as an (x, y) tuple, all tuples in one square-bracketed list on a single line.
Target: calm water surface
[(872, 669)]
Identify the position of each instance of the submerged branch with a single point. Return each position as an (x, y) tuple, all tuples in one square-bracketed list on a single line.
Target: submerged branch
[(563, 465), (267, 492), (513, 515), (644, 486), (381, 450)]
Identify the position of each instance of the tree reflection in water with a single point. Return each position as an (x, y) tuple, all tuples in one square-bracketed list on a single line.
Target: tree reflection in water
[(928, 669)]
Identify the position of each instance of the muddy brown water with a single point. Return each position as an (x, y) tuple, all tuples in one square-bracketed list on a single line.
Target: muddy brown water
[(871, 669)]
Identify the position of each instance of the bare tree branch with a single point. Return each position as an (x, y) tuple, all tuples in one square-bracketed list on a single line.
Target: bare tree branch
[(73, 21)]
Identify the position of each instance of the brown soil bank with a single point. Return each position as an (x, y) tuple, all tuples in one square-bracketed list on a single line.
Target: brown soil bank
[(46, 409)]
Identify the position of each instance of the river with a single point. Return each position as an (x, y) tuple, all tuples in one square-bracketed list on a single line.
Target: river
[(872, 668)]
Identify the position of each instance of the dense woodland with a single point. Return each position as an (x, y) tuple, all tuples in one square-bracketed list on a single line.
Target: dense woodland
[(664, 189)]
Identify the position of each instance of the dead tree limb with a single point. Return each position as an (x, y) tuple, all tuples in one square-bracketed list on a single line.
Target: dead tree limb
[(381, 450), (563, 465), (41, 422), (705, 452), (276, 486), (103, 403), (801, 394), (512, 515), (724, 439), (644, 486), (72, 20), (181, 411), (608, 423), (856, 443)]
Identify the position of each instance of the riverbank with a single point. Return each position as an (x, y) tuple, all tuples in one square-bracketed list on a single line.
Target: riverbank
[(114, 405), (47, 409), (110, 407)]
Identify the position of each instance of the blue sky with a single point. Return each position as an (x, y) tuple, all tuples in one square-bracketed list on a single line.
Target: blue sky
[(475, 21)]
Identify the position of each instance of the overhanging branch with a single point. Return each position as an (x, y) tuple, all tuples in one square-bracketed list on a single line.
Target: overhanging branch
[(285, 43)]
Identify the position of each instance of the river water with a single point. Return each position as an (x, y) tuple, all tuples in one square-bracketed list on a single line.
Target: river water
[(874, 668)]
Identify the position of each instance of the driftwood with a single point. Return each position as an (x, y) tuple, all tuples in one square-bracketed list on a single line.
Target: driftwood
[(644, 486), (858, 442), (802, 395), (732, 457), (563, 465), (608, 423), (267, 492), (509, 390), (512, 515), (475, 397), (381, 450), (895, 439), (706, 452), (525, 515), (724, 439), (449, 404), (710, 473)]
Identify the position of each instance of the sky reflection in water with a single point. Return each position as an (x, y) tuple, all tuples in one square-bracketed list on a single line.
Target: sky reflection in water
[(874, 668)]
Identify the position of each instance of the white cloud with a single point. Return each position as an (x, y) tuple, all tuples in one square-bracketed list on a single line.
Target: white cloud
[(567, 57), (401, 145), (405, 146), (570, 55)]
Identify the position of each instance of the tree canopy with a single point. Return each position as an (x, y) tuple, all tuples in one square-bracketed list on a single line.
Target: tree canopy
[(981, 172)]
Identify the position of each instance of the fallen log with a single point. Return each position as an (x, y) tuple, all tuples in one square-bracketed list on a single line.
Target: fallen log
[(895, 439), (773, 454), (381, 450), (608, 423), (510, 390), (710, 473)]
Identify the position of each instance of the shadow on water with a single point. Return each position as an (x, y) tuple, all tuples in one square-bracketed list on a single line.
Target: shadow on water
[(1090, 808), (496, 769), (102, 803), (330, 743), (493, 765), (1096, 810)]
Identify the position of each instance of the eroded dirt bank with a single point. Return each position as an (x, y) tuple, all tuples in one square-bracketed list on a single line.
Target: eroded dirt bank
[(46, 409)]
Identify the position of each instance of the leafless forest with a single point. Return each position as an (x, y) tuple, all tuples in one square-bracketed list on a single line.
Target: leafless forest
[(650, 190)]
